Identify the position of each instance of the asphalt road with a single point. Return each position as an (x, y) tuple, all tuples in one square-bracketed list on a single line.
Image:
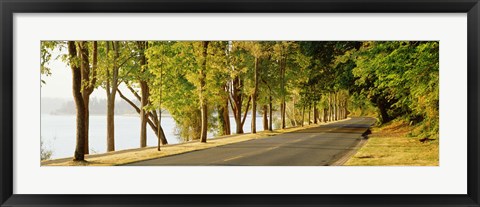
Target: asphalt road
[(318, 146)]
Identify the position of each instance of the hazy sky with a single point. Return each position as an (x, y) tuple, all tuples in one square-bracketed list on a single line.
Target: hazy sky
[(59, 84)]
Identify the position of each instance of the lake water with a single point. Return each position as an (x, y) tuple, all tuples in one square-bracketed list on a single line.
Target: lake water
[(58, 133)]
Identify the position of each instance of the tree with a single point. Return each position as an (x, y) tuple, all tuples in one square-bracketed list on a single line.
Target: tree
[(400, 78), (255, 49), (238, 61), (89, 78), (46, 48), (139, 75), (202, 97), (79, 104)]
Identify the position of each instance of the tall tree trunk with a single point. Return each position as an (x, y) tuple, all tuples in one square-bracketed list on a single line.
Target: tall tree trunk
[(144, 90), (143, 113), (309, 114), (334, 107), (162, 140), (265, 118), (160, 134), (157, 126), (346, 108), (294, 115), (88, 82), (225, 116), (303, 115), (328, 109), (270, 113), (112, 85), (203, 100), (282, 113), (222, 121), (86, 101), (110, 125), (337, 103), (254, 98), (85, 74), (79, 104), (238, 121), (315, 113), (246, 110), (341, 109), (236, 103), (282, 84)]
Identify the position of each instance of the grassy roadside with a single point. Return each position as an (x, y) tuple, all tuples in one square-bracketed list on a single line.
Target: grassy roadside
[(389, 145), (134, 155)]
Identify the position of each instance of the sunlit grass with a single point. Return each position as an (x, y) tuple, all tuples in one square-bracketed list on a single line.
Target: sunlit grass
[(390, 146)]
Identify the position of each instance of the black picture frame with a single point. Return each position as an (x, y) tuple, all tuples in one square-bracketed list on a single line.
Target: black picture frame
[(9, 7)]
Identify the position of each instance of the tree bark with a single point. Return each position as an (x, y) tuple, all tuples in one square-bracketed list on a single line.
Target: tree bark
[(203, 101), (152, 119), (236, 102), (346, 108), (303, 115), (85, 73), (282, 85), (254, 99), (334, 102), (330, 111), (112, 84), (246, 110), (143, 114), (293, 113), (309, 114), (88, 82), (226, 118), (86, 101), (144, 90), (265, 118), (315, 113), (110, 125), (79, 104), (383, 111), (270, 113), (221, 120), (325, 113)]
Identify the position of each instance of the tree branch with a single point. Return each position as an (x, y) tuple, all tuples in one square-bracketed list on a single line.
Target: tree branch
[(128, 101), (246, 110), (134, 92)]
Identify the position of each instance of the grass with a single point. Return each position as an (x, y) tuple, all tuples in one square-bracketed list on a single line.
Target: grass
[(389, 145), (134, 155)]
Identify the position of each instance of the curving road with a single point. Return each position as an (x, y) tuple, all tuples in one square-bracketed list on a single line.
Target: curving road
[(317, 146)]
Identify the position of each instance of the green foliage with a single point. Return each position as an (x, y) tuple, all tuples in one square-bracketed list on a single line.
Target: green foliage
[(402, 78), (46, 50), (393, 79)]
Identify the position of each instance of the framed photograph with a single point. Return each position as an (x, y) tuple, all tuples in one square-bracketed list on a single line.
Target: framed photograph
[(239, 103)]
